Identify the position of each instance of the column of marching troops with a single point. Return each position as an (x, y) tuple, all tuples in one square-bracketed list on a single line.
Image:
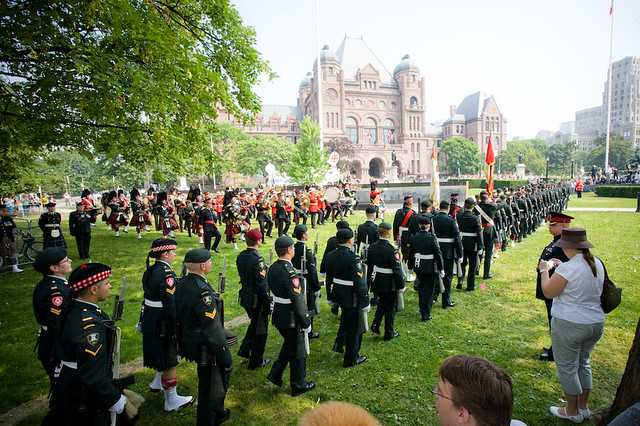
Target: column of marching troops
[(184, 317)]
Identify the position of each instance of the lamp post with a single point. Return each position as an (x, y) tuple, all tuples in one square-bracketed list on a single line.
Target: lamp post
[(547, 170), (572, 165)]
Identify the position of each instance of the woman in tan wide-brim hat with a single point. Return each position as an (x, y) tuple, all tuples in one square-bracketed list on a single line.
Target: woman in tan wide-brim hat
[(577, 319)]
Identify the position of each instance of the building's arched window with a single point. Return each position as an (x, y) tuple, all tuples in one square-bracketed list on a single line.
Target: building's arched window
[(352, 129), (369, 131), (413, 101), (389, 130)]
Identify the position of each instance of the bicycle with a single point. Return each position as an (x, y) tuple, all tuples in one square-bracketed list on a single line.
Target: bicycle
[(27, 248)]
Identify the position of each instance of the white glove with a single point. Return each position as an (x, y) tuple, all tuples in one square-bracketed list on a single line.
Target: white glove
[(118, 407), (441, 274), (308, 330), (480, 252), (367, 308)]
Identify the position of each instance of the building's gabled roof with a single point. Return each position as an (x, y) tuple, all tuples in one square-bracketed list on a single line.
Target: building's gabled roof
[(282, 111), (473, 105), (353, 54)]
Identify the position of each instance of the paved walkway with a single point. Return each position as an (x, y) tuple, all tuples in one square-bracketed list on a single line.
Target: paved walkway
[(601, 209)]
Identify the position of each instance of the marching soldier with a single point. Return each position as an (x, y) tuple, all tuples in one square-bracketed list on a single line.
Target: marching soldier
[(488, 231), (202, 338), (49, 223), (385, 278), (80, 227), (158, 323), (368, 231), (425, 258), (401, 228), (51, 297), (262, 215), (290, 317), (332, 244), (472, 243), (348, 289), (448, 235), (207, 220), (282, 216), (255, 299), (557, 222), (8, 231), (84, 392), (426, 207), (312, 289)]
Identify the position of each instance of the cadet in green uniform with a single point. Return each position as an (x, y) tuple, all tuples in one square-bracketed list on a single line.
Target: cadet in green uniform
[(312, 289), (425, 258), (472, 243), (290, 317), (345, 277), (385, 278), (202, 338), (255, 299), (51, 297), (84, 393), (158, 323)]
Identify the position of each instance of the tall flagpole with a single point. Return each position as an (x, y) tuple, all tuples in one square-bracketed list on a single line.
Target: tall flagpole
[(319, 73), (606, 143)]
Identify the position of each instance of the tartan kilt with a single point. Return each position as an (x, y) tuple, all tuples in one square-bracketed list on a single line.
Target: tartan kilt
[(159, 353), (172, 226)]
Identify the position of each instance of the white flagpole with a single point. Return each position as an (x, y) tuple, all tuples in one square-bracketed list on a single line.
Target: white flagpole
[(606, 144), (319, 73)]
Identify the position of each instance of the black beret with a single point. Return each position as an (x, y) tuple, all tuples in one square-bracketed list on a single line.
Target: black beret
[(370, 209), (161, 245), (424, 220), (50, 204), (299, 230), (284, 242), (342, 224), (87, 275), (47, 258), (408, 197), (198, 255), (343, 235), (385, 225)]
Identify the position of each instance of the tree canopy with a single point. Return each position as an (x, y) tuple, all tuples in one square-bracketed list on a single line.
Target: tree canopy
[(309, 161), (621, 152), (533, 152), (460, 153)]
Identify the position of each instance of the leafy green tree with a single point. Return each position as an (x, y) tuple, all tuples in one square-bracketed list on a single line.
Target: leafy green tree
[(138, 79), (460, 153), (309, 162), (255, 153), (620, 152), (533, 152), (344, 148), (560, 158)]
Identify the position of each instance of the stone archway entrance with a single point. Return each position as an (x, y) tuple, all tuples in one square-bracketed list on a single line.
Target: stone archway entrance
[(376, 168), (356, 169)]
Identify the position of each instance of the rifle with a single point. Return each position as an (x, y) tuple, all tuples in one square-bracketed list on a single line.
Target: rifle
[(315, 245), (222, 281)]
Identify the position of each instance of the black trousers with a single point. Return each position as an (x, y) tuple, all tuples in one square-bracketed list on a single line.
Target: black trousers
[(289, 355), (207, 239), (352, 339), (283, 226), (448, 276), (470, 259), (487, 234), (386, 309), (83, 241), (426, 290), (314, 219), (266, 225), (213, 383), (255, 339)]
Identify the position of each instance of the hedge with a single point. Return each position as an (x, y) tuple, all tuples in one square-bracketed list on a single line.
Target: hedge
[(482, 183), (620, 191)]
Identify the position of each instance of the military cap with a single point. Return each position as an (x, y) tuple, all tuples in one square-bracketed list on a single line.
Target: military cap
[(342, 224), (50, 204), (254, 234), (385, 225), (160, 245), (87, 275), (557, 217), (47, 258), (198, 255), (299, 230), (343, 235), (284, 242), (370, 209), (407, 197)]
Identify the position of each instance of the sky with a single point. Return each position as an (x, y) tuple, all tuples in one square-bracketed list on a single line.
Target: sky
[(542, 59)]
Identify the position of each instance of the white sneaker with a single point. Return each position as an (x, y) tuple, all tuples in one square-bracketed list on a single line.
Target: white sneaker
[(556, 412), (172, 234), (139, 236), (586, 413), (173, 401), (156, 383), (16, 269), (117, 233)]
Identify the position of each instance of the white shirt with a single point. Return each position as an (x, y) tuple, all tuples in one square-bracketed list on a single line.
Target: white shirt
[(579, 302)]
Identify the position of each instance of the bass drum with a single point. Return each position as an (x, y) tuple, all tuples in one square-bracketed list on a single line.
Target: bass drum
[(332, 194)]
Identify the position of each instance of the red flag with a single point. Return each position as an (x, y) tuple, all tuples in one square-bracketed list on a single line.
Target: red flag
[(489, 159)]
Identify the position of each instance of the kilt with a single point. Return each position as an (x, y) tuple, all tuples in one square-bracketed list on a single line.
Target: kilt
[(8, 247), (159, 353)]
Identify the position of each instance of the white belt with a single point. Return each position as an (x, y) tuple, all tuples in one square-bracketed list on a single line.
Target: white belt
[(445, 240), (73, 365), (343, 282), (153, 303), (52, 225), (402, 229), (468, 234), (377, 269), (424, 256), (281, 300)]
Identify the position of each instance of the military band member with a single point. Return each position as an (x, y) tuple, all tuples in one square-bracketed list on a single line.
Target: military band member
[(290, 317), (207, 220), (385, 278), (262, 216), (312, 289), (51, 297), (282, 216), (255, 299), (201, 337), (348, 289), (425, 258), (158, 323), (557, 222), (8, 232), (368, 231), (488, 231), (448, 235), (80, 227), (84, 392), (472, 243), (314, 207), (141, 217), (401, 228), (50, 224)]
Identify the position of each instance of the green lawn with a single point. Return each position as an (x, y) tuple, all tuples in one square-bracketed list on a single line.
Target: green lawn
[(503, 323), (590, 199)]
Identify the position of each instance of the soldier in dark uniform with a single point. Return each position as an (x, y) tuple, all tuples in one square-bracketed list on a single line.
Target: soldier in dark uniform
[(368, 231), (426, 207), (8, 231), (202, 338), (448, 235), (49, 223), (386, 279), (158, 323), (557, 222), (488, 231), (84, 393), (425, 258), (262, 216), (51, 297), (282, 216), (207, 220), (312, 289), (255, 299), (80, 227), (348, 289), (472, 243), (290, 317), (401, 228), (332, 244)]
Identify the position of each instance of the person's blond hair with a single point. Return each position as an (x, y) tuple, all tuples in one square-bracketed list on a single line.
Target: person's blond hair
[(334, 413)]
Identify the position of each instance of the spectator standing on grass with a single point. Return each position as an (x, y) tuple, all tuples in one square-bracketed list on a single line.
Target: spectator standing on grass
[(579, 187), (577, 321)]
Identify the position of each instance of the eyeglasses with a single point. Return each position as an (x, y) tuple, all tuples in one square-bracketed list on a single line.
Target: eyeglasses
[(436, 392)]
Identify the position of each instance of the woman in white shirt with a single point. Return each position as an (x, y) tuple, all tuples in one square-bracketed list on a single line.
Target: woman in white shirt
[(577, 319)]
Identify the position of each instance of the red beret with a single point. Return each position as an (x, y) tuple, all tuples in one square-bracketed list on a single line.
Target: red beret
[(254, 235)]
